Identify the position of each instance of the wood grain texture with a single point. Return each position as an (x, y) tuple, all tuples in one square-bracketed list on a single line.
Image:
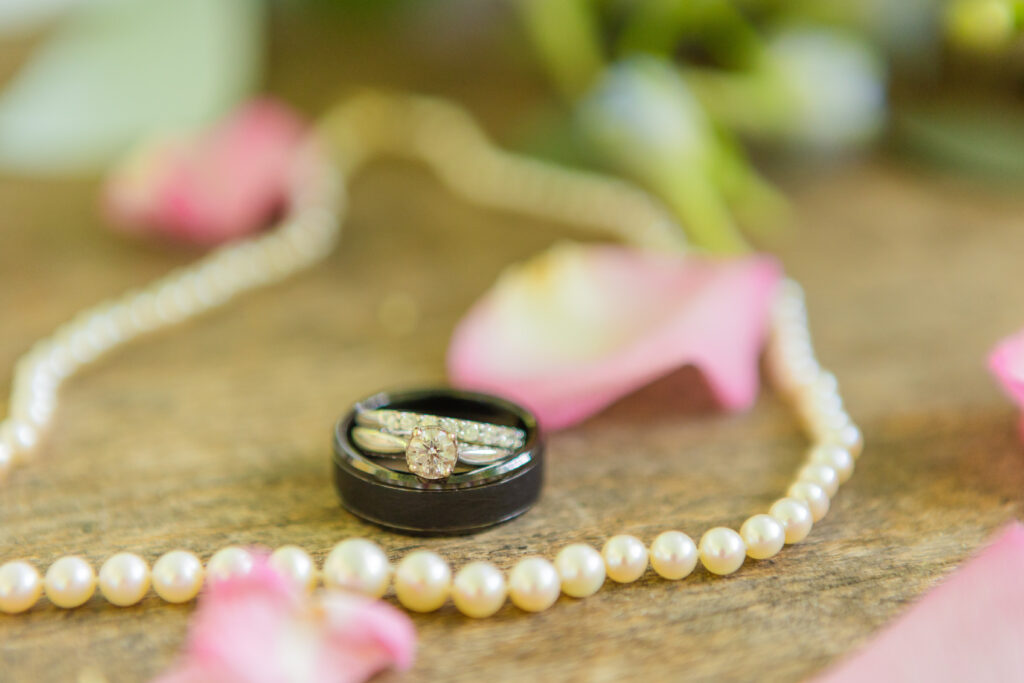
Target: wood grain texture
[(218, 432)]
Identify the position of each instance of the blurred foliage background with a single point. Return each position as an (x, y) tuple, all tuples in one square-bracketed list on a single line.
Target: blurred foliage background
[(695, 100)]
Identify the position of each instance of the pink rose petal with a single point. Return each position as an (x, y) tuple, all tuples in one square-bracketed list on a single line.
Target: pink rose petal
[(259, 629), (207, 189), (970, 628), (1006, 361), (579, 327)]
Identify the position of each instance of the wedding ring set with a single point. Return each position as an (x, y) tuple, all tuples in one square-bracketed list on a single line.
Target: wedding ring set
[(433, 445), (437, 461)]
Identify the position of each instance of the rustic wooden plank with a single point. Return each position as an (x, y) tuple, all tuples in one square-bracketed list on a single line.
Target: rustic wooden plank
[(218, 432)]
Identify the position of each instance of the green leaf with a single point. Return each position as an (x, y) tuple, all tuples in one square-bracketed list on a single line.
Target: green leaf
[(985, 140)]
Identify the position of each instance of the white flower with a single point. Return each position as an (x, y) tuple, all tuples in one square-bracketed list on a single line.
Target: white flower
[(835, 85), (643, 115)]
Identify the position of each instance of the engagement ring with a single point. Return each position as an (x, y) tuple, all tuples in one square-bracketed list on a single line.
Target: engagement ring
[(433, 444)]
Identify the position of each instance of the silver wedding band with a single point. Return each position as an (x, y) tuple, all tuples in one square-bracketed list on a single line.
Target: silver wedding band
[(434, 444)]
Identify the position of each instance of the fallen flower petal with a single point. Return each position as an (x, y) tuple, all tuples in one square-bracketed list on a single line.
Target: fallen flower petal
[(970, 628), (259, 628), (579, 327), (218, 186), (1007, 363)]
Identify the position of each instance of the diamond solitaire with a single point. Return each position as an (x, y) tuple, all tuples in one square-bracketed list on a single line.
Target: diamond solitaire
[(432, 452)]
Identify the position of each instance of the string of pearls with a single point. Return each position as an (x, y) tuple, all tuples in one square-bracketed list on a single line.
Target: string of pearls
[(447, 140), (306, 235), (423, 580)]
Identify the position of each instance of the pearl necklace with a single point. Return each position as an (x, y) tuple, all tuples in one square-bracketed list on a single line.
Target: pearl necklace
[(446, 139)]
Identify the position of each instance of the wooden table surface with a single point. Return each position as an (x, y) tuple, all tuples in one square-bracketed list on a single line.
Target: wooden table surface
[(217, 432)]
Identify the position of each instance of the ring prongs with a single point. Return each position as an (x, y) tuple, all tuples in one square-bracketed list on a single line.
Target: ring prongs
[(432, 452)]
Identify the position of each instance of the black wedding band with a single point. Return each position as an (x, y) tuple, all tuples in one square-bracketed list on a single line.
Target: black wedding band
[(465, 502)]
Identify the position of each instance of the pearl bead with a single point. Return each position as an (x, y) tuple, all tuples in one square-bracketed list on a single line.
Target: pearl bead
[(822, 402), (823, 393), (826, 382), (795, 517), (812, 494), (22, 437), (124, 579), (822, 475), (6, 459), (69, 582), (581, 570), (625, 558), (359, 565), (178, 576), (848, 436), (533, 584), (836, 457), (674, 555), (37, 410), (422, 581), (821, 409), (296, 565), (763, 535), (20, 586), (58, 358), (793, 367), (479, 590), (722, 550), (229, 562)]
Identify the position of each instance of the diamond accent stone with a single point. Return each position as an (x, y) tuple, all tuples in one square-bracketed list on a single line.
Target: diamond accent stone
[(470, 431), (432, 452)]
